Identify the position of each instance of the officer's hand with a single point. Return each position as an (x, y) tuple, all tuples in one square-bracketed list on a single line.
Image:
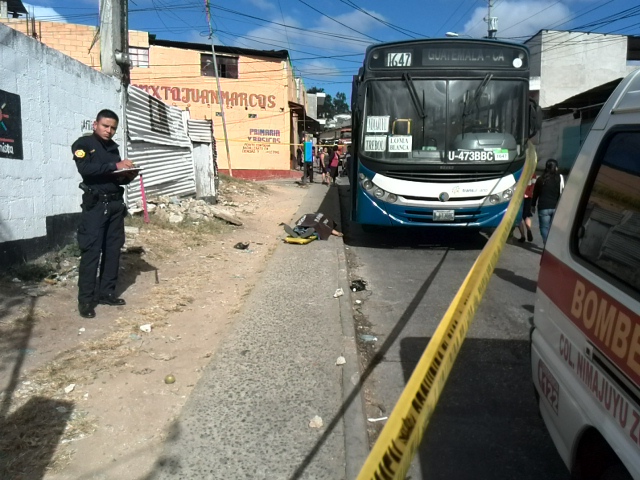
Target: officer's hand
[(124, 164)]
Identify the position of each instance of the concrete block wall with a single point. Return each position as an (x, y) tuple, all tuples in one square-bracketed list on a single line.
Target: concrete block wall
[(59, 97), (77, 41), (570, 63)]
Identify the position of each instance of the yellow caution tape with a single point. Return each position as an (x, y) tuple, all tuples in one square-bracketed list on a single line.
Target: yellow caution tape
[(398, 442)]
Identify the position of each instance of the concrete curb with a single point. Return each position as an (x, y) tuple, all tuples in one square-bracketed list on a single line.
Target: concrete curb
[(356, 441)]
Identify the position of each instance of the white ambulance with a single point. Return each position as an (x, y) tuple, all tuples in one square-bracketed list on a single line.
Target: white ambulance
[(585, 338)]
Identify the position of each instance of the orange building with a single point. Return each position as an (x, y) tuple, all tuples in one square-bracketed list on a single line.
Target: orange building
[(263, 102)]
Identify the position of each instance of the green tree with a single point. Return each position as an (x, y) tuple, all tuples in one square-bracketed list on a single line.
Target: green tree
[(340, 103), (332, 106)]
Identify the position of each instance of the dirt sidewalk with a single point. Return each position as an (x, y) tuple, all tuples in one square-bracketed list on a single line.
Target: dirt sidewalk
[(89, 399)]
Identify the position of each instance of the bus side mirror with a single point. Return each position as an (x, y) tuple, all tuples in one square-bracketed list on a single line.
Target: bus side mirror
[(535, 118)]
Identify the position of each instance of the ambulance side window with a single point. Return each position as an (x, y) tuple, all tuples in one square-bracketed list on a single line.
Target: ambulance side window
[(610, 237)]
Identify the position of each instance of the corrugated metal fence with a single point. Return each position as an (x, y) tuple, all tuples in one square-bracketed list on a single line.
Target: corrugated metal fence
[(158, 142)]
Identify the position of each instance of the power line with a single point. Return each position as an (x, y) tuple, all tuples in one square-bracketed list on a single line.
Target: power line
[(384, 22), (338, 21)]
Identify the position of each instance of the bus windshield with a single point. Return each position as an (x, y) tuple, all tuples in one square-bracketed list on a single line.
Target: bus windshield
[(461, 121)]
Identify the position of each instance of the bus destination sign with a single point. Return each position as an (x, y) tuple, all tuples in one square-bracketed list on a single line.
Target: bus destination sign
[(465, 56)]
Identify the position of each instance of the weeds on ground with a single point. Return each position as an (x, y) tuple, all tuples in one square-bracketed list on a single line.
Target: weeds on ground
[(226, 181)]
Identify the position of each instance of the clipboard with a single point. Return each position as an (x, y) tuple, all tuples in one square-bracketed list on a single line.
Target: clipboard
[(125, 170)]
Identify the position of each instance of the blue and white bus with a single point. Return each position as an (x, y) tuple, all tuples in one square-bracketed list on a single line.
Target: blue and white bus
[(440, 128)]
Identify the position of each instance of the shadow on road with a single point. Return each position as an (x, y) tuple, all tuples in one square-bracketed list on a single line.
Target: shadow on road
[(29, 435), (486, 423), (375, 360), (518, 280)]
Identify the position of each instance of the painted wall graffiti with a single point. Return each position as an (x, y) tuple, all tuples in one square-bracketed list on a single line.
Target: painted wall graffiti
[(196, 95)]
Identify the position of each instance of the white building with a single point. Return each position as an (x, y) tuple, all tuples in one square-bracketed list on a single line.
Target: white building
[(565, 64)]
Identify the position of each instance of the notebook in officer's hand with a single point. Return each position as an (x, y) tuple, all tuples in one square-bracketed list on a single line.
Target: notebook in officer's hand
[(134, 169)]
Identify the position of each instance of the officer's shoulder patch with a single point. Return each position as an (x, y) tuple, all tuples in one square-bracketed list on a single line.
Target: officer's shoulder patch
[(79, 153)]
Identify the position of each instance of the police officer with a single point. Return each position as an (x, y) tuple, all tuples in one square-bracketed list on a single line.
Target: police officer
[(101, 230)]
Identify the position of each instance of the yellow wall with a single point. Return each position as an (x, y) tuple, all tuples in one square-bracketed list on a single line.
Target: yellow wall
[(260, 90), (263, 90)]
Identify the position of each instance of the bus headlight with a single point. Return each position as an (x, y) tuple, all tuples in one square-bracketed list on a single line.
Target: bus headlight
[(376, 191), (499, 197)]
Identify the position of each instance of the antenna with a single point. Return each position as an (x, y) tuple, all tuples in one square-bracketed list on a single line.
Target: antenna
[(492, 22)]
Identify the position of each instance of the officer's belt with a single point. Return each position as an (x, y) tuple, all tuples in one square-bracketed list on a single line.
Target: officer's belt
[(109, 197)]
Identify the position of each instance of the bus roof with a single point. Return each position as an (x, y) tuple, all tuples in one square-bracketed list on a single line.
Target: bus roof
[(477, 41)]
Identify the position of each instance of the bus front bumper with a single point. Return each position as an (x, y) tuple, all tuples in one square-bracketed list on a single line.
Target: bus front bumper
[(372, 211)]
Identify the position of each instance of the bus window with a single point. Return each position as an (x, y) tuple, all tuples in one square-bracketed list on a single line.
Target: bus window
[(442, 120), (609, 237)]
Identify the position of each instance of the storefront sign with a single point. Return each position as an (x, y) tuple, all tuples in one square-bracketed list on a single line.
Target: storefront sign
[(10, 126), (196, 95)]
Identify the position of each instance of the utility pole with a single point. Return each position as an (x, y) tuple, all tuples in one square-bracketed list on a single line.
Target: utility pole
[(114, 50), (220, 99), (492, 22), (110, 36)]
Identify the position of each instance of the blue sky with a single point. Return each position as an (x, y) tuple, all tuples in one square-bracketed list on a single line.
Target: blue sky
[(326, 38)]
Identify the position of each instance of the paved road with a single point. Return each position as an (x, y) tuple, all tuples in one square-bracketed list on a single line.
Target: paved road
[(486, 425)]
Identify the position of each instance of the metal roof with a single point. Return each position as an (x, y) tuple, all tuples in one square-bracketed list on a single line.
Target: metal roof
[(16, 6), (206, 47)]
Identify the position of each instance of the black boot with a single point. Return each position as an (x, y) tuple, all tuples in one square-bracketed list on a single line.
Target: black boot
[(111, 300), (86, 310)]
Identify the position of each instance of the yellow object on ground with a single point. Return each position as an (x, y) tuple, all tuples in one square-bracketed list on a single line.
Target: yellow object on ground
[(301, 241)]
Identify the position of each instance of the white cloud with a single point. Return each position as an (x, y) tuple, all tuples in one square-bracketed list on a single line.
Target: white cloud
[(46, 14), (317, 35), (518, 20), (318, 69), (320, 32), (262, 4)]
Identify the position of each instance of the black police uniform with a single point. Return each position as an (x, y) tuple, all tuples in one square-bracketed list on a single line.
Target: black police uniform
[(101, 230)]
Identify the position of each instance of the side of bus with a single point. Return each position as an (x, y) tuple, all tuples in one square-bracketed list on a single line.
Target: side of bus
[(585, 337)]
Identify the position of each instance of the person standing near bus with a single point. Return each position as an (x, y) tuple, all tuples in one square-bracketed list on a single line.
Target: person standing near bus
[(333, 165), (346, 162), (309, 157), (525, 223), (322, 159), (546, 193)]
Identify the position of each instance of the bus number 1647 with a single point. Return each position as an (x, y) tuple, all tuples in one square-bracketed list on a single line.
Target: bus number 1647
[(398, 59)]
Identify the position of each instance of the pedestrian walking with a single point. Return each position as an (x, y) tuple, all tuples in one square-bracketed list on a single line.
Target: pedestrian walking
[(323, 158), (299, 158), (546, 193), (525, 223), (346, 162), (334, 162), (101, 230), (307, 171)]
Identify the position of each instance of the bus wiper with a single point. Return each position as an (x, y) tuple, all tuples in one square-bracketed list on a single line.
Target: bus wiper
[(414, 95), (481, 87), (468, 106)]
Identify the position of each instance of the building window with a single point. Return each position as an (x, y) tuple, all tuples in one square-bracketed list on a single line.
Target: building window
[(633, 49), (609, 233), (227, 66), (139, 57)]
